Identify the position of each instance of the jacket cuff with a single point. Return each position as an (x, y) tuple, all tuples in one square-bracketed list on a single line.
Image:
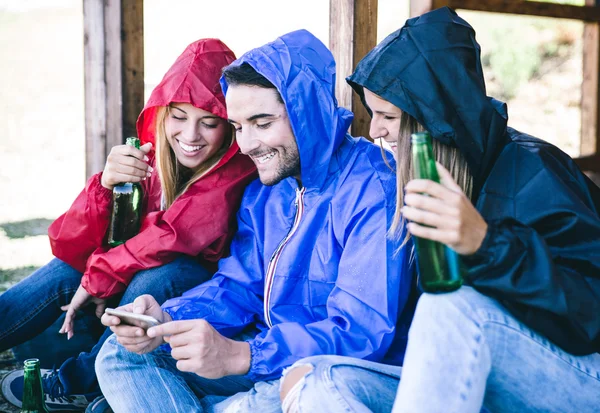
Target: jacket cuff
[(100, 193), (254, 357), (485, 253)]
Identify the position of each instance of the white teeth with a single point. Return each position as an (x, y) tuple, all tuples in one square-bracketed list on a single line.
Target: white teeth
[(189, 148), (265, 158)]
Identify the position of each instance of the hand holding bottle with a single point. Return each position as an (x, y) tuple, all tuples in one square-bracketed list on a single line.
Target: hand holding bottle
[(443, 213), (126, 164)]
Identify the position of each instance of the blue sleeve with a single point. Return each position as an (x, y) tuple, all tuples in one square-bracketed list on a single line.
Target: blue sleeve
[(371, 289), (232, 299)]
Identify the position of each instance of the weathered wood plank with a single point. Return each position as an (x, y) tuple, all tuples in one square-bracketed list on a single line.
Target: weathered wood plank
[(133, 63), (94, 86), (352, 34), (114, 75), (590, 91)]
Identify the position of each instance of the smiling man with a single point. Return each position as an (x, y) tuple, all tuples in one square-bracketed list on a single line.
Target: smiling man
[(310, 270)]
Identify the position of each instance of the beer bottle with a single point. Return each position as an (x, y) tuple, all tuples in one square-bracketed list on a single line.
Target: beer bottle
[(33, 393), (438, 265), (126, 213)]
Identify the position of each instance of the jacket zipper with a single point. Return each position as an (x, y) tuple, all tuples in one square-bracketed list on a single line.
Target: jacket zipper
[(299, 202)]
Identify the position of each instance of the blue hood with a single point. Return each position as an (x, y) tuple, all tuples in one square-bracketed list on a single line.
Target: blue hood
[(450, 103), (303, 71)]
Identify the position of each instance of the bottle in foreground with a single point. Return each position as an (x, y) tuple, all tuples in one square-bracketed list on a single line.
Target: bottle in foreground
[(439, 265), (126, 214), (33, 392)]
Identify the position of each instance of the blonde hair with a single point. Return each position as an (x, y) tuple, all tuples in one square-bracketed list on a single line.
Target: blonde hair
[(172, 175), (450, 157)]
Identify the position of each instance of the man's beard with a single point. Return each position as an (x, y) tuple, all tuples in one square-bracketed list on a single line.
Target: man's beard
[(289, 165)]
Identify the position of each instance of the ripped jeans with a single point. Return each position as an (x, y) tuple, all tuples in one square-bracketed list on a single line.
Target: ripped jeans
[(465, 351)]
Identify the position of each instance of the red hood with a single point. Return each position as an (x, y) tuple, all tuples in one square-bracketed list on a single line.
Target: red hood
[(193, 78)]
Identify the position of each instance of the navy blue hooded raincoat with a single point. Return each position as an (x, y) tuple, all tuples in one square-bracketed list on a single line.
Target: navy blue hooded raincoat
[(310, 270), (541, 255)]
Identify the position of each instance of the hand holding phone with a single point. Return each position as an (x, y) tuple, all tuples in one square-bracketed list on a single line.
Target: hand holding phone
[(133, 319)]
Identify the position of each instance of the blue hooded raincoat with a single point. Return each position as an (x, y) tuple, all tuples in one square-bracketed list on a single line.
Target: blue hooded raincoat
[(310, 270), (541, 255)]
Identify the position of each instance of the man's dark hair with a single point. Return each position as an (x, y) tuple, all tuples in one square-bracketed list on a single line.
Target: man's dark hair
[(246, 75)]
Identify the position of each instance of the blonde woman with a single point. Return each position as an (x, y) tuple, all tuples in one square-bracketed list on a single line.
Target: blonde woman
[(193, 184)]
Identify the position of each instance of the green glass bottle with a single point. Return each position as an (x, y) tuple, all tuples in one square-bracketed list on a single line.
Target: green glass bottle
[(126, 215), (439, 265), (33, 392)]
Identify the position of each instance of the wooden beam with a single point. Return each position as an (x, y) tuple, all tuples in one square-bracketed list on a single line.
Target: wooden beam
[(530, 8), (352, 34), (114, 75), (590, 91)]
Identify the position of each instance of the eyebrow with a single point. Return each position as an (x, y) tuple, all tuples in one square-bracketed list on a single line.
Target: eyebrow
[(254, 117)]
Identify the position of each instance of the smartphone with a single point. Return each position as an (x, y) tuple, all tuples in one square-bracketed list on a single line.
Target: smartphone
[(133, 319)]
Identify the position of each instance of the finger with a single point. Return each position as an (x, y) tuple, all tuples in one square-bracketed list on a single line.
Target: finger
[(173, 327), (119, 177), (434, 234), (427, 203), (68, 323), (132, 170), (182, 353), (143, 304), (100, 309), (130, 151), (128, 331), (177, 340), (110, 320), (185, 366), (425, 186), (65, 307), (146, 148), (131, 162), (133, 341), (423, 217), (446, 178)]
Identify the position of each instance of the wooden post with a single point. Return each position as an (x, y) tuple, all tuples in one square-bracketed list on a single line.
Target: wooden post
[(590, 89), (352, 34), (114, 75)]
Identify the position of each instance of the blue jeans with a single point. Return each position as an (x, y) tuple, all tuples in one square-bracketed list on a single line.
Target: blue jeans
[(33, 304), (464, 351), (151, 383)]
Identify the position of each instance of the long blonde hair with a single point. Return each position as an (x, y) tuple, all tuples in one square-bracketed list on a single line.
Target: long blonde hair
[(450, 157), (172, 175)]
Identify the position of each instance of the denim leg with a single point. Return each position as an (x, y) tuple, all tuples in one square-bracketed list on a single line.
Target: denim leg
[(33, 304), (465, 350), (165, 282), (346, 384), (151, 382)]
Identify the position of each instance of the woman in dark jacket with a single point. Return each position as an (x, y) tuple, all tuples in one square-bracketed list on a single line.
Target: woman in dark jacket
[(523, 335)]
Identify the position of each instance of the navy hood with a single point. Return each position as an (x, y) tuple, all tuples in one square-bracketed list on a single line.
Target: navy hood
[(303, 71), (451, 104)]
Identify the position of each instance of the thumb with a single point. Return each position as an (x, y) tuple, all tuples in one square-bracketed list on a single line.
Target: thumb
[(147, 147), (100, 307), (446, 178)]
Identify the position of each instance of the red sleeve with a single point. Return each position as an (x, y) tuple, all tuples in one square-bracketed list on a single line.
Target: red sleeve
[(200, 222), (78, 232)]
